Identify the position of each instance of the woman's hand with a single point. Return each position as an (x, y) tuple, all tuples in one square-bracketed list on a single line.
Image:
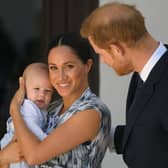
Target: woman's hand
[(10, 154), (18, 98)]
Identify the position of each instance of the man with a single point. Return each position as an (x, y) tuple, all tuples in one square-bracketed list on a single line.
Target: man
[(118, 34)]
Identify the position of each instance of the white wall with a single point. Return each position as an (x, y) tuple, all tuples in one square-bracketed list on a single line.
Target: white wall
[(113, 89)]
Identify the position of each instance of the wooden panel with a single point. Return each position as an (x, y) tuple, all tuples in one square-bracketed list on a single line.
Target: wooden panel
[(67, 15)]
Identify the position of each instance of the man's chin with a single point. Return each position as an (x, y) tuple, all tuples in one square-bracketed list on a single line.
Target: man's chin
[(122, 73)]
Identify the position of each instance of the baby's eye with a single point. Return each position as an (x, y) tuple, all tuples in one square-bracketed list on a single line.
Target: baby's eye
[(36, 88), (47, 91)]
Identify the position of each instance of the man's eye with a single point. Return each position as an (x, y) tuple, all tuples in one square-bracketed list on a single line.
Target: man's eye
[(36, 88)]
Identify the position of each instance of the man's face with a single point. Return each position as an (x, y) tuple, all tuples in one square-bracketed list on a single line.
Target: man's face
[(113, 57)]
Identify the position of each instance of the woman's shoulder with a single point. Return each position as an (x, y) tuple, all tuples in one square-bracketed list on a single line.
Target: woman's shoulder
[(91, 101)]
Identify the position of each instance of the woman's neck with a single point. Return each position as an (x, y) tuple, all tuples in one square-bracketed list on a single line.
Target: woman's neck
[(68, 101)]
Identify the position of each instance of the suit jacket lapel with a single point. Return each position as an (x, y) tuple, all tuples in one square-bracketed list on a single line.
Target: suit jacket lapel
[(137, 107)]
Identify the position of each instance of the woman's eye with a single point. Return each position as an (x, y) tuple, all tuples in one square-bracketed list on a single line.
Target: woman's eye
[(36, 88), (70, 66), (53, 68)]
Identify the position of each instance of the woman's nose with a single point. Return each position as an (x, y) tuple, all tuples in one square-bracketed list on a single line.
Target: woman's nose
[(61, 75)]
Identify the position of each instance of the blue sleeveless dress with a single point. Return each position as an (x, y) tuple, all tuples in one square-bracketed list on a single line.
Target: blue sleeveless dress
[(89, 154)]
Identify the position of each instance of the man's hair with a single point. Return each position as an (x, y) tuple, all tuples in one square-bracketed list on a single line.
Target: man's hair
[(114, 22)]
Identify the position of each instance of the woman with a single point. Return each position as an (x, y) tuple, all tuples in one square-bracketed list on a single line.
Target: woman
[(79, 123)]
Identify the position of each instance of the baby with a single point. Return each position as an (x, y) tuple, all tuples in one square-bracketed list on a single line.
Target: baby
[(38, 96)]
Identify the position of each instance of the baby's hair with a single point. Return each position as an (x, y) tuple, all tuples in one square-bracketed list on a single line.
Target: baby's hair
[(35, 66)]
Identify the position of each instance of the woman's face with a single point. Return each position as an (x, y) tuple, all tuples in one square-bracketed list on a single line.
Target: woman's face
[(68, 74)]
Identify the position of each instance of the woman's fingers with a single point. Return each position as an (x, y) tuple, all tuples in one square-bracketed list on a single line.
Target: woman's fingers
[(18, 98), (22, 85), (11, 153)]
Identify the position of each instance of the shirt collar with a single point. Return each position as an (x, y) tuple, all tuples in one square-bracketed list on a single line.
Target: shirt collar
[(158, 53)]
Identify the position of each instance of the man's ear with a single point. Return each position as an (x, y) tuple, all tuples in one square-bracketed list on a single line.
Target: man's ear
[(117, 48)]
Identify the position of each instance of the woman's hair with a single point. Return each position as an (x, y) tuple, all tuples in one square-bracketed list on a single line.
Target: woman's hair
[(80, 46)]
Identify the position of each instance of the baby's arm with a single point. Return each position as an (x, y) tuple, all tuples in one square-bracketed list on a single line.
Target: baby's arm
[(34, 119), (36, 129)]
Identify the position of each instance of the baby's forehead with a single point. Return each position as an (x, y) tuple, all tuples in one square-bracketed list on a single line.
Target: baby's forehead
[(36, 76), (37, 80), (36, 68)]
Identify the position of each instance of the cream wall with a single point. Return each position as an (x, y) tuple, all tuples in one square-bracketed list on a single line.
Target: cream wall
[(113, 89)]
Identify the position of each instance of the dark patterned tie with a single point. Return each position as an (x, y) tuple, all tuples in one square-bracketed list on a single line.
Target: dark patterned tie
[(140, 83)]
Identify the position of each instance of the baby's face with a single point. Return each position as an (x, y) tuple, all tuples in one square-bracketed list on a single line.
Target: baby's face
[(39, 90)]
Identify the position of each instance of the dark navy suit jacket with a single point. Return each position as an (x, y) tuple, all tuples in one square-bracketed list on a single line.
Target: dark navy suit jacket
[(143, 141)]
